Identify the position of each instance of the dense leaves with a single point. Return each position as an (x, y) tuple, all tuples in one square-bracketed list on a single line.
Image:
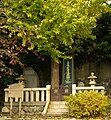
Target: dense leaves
[(103, 38), (11, 50), (11, 55), (99, 49), (50, 27), (52, 24), (88, 104)]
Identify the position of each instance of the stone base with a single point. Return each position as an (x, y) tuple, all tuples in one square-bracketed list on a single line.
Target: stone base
[(28, 108)]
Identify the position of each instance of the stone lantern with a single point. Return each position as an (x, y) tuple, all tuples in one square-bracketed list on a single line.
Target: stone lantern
[(92, 79)]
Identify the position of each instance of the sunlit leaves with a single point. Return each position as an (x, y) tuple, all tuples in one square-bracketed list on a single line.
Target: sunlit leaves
[(52, 23)]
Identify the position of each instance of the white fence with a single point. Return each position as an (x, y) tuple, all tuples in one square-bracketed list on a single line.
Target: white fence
[(76, 89), (32, 94)]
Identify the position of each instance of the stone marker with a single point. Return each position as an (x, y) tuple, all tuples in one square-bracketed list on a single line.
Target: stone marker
[(5, 110)]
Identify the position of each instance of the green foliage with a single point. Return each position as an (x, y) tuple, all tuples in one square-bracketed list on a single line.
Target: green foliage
[(87, 104), (50, 24), (99, 49), (102, 48)]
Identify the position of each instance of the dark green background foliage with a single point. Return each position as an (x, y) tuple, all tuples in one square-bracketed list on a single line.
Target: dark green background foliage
[(98, 49)]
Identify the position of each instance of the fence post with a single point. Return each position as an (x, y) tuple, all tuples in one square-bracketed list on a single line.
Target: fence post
[(103, 92), (48, 87), (6, 96), (73, 89)]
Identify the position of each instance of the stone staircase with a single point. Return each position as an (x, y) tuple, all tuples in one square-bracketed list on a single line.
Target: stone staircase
[(57, 108)]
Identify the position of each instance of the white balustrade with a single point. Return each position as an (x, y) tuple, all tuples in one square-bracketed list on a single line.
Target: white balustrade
[(76, 89), (16, 99), (32, 94), (47, 100), (37, 94), (48, 93), (42, 95), (26, 96), (6, 96)]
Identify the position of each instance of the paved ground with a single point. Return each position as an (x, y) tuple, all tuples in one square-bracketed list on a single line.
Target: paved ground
[(49, 118)]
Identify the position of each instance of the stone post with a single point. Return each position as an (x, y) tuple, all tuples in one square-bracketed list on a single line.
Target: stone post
[(73, 89), (55, 75), (48, 87), (6, 96)]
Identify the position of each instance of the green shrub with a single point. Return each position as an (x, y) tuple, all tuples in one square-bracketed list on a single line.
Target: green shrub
[(87, 104)]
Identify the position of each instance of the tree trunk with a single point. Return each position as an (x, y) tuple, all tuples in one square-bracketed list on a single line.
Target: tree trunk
[(55, 75)]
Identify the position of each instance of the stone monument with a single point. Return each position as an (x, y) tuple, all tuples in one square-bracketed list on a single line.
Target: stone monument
[(31, 78)]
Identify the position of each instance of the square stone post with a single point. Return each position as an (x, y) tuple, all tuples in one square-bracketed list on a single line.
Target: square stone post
[(73, 89), (48, 87), (55, 75)]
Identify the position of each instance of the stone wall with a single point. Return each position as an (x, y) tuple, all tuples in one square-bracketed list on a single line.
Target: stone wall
[(27, 108)]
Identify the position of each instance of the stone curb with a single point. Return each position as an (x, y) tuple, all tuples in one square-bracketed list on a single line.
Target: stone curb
[(7, 118)]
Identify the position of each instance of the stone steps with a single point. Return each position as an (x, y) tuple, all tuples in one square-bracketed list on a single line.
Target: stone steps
[(57, 108)]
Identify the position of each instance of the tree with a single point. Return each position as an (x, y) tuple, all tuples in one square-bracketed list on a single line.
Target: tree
[(99, 49), (10, 51), (102, 49), (51, 25)]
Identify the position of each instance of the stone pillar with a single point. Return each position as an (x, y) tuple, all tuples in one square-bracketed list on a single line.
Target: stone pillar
[(73, 89), (55, 75), (48, 93)]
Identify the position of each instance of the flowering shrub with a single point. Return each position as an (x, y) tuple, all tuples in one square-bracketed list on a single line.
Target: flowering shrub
[(87, 104)]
